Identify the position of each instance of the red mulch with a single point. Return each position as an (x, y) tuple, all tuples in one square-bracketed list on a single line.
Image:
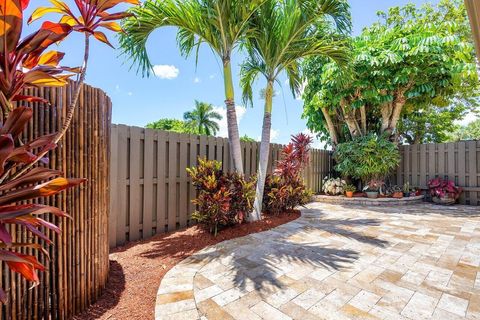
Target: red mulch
[(137, 268)]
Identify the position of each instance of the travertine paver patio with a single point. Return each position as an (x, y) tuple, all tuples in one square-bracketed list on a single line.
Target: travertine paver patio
[(412, 262)]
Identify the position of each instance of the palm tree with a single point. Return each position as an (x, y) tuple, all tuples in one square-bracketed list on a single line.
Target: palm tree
[(201, 120), (286, 32), (221, 24)]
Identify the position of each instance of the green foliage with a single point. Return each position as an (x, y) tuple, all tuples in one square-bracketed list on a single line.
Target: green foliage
[(367, 158), (469, 132), (202, 119), (350, 188), (430, 124), (174, 125), (411, 57), (221, 24), (223, 199), (288, 31), (246, 138)]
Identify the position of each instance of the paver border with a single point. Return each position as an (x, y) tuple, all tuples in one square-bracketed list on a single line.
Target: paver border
[(368, 201)]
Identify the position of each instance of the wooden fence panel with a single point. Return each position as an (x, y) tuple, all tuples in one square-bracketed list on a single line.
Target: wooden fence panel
[(456, 161), (151, 191), (78, 267)]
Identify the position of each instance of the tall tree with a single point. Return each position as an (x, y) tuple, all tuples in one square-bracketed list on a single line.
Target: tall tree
[(412, 55), (202, 119), (221, 24), (285, 33), (469, 132)]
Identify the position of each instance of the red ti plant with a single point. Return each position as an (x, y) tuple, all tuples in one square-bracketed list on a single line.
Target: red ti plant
[(441, 188), (284, 190), (25, 63), (92, 15)]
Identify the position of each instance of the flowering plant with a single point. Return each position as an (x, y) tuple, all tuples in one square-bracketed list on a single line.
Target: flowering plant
[(444, 188), (334, 186)]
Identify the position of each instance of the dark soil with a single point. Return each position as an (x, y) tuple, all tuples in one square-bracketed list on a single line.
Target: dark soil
[(137, 268)]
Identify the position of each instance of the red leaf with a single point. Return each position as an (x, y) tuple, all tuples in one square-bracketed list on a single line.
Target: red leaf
[(20, 97), (16, 121), (4, 235), (35, 175), (46, 189), (6, 148)]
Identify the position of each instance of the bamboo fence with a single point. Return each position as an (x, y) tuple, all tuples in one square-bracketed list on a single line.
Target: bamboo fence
[(78, 267)]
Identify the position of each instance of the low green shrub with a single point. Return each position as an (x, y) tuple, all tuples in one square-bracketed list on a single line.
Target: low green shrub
[(367, 158), (224, 199)]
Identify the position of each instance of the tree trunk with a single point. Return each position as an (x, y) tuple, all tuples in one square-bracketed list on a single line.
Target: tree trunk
[(70, 110), (363, 119), (352, 124), (330, 126), (264, 151), (233, 135)]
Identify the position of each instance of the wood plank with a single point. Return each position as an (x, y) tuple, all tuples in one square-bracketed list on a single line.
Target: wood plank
[(172, 181), (135, 200), (183, 182), (148, 163), (162, 156), (123, 156), (473, 174)]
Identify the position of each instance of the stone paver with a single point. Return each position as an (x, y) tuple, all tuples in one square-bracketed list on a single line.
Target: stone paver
[(337, 262)]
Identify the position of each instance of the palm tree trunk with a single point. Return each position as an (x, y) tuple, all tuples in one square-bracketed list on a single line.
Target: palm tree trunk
[(264, 151), (233, 135), (70, 110)]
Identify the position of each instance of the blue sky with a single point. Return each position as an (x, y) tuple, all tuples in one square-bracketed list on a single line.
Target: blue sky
[(137, 101)]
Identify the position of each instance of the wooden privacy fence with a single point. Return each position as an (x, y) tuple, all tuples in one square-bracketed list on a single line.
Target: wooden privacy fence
[(458, 161), (78, 266), (150, 190)]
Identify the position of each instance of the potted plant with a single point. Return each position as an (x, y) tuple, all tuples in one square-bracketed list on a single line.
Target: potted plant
[(333, 186), (349, 190), (443, 191), (372, 187), (413, 192), (406, 189), (396, 192)]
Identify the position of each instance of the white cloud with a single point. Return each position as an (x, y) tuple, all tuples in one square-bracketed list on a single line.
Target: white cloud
[(273, 135), (223, 132), (164, 71), (469, 117), (130, 93), (196, 80), (117, 88), (212, 76)]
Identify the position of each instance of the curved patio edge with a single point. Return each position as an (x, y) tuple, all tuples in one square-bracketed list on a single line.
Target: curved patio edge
[(177, 296)]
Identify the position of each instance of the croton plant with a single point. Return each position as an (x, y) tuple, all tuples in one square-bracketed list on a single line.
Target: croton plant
[(443, 188), (26, 61)]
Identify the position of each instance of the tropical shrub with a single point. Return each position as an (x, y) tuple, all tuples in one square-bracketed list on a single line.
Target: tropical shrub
[(367, 158), (224, 199), (26, 63), (284, 189), (334, 186), (443, 188)]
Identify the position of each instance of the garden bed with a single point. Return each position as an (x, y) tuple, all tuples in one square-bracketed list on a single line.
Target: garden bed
[(368, 201), (137, 269)]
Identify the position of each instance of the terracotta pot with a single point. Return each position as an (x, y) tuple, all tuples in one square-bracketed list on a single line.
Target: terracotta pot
[(398, 195), (349, 194)]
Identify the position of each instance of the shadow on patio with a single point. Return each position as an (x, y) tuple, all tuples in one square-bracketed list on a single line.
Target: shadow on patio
[(308, 244)]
